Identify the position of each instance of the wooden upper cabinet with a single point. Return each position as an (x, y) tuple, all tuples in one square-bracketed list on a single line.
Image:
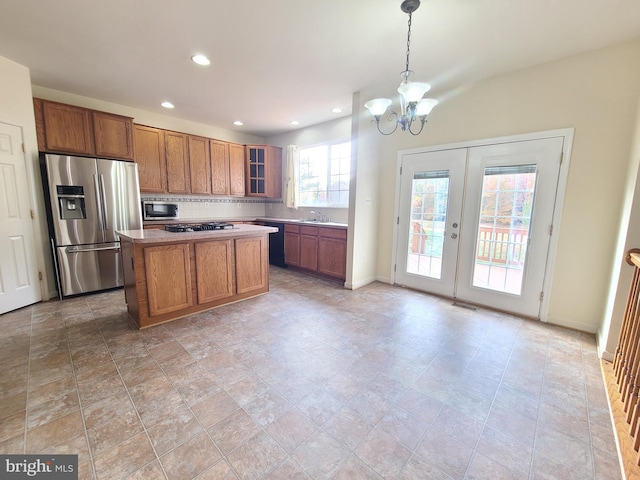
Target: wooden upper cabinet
[(149, 155), (236, 170), (199, 165), (67, 129), (177, 162), (264, 171), (220, 168), (113, 135), (72, 130)]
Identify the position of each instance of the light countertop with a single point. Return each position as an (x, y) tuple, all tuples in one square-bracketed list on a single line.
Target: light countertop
[(157, 235)]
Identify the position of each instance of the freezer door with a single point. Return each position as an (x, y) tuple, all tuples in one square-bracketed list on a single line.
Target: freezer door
[(74, 200), (89, 268), (120, 196)]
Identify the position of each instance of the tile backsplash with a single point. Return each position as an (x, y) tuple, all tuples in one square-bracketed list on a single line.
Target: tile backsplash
[(214, 207), (241, 207)]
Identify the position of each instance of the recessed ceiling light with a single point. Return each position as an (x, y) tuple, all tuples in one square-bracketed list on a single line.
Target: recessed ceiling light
[(336, 110), (200, 60), (238, 123), (167, 105), (294, 122)]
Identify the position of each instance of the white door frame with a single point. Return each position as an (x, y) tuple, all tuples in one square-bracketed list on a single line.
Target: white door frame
[(565, 133)]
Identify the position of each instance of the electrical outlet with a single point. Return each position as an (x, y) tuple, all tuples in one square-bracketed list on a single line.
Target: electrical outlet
[(206, 204), (239, 205)]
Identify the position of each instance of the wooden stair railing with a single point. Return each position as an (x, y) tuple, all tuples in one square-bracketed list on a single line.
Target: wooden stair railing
[(626, 362)]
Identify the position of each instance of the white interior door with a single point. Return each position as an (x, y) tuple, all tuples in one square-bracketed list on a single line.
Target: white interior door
[(475, 223), (19, 285)]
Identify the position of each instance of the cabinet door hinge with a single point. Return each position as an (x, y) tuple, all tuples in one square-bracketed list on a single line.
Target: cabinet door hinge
[(39, 275), (398, 221), (24, 148), (33, 214), (394, 267), (541, 295), (561, 157), (400, 169), (550, 230)]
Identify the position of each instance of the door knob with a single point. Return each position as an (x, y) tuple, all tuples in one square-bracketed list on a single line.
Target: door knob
[(454, 235)]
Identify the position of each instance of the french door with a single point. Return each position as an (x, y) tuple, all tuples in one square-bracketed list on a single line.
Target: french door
[(475, 223)]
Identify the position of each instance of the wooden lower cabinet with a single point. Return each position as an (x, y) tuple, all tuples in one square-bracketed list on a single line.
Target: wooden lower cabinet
[(168, 275), (316, 249), (214, 270), (332, 252), (170, 280), (292, 245), (309, 248), (252, 262)]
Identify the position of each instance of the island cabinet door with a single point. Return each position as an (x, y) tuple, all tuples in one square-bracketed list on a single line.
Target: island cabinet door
[(214, 270), (168, 275), (252, 262)]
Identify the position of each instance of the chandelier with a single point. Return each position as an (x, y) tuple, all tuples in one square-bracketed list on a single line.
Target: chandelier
[(413, 108)]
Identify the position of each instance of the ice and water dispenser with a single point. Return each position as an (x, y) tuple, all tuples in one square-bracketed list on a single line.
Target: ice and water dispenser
[(71, 202)]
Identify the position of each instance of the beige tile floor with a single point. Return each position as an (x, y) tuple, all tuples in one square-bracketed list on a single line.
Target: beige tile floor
[(309, 381)]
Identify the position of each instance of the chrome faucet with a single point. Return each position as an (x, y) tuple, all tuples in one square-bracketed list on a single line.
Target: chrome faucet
[(319, 216)]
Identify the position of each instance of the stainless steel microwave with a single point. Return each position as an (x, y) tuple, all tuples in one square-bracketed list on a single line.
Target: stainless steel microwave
[(159, 211)]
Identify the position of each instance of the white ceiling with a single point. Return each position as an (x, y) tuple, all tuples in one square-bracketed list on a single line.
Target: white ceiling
[(278, 60)]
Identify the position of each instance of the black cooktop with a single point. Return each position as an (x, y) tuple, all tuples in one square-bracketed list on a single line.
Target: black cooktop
[(198, 227)]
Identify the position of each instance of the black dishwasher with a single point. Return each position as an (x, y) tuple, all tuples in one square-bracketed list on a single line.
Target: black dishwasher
[(276, 244)]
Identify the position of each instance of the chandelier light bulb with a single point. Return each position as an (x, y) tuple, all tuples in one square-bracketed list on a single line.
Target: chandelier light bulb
[(413, 91), (377, 106), (425, 106)]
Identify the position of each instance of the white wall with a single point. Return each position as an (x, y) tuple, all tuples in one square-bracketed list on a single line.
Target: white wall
[(597, 93), (16, 108), (629, 237)]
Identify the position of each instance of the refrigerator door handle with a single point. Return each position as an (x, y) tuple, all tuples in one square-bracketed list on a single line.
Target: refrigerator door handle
[(110, 246), (103, 203), (99, 208)]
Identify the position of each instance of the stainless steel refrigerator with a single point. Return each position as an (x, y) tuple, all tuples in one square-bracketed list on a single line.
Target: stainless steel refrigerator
[(90, 199)]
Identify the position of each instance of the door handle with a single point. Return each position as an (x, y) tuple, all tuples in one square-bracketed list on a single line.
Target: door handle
[(95, 249), (454, 235)]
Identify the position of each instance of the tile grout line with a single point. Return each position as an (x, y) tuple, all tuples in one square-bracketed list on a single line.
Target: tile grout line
[(75, 382), (26, 405)]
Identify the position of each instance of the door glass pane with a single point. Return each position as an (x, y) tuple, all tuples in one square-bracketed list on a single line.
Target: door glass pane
[(429, 197), (503, 230)]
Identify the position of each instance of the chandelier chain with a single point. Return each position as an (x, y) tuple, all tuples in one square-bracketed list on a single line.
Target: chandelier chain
[(408, 42)]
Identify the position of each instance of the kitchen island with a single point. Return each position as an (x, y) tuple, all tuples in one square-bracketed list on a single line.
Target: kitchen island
[(168, 275)]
